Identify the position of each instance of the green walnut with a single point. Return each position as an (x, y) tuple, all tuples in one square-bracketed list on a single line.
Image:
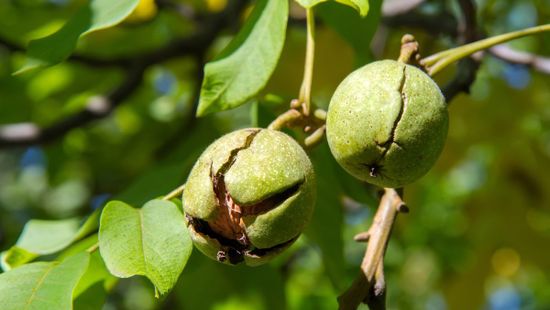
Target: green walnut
[(387, 123), (249, 196)]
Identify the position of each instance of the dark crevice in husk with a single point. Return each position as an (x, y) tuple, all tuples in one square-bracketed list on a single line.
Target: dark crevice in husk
[(377, 167), (228, 227), (230, 249)]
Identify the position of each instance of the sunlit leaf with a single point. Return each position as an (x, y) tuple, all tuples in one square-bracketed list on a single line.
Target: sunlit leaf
[(362, 6), (91, 290), (246, 65), (152, 241), (43, 237), (42, 285), (95, 15)]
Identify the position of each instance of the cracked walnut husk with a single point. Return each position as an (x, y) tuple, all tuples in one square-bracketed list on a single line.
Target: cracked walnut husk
[(387, 123), (249, 196)]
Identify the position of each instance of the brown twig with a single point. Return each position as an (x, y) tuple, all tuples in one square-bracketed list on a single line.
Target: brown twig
[(83, 59), (409, 49), (97, 107), (369, 286), (508, 54), (295, 117)]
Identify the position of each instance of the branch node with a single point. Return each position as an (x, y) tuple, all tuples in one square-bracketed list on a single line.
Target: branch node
[(402, 208), (362, 237), (409, 49)]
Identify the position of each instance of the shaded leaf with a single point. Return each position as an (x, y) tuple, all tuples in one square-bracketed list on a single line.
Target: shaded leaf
[(362, 6), (152, 241), (236, 287), (325, 228), (245, 66), (91, 290), (15, 256), (96, 272), (357, 31), (95, 15), (91, 299), (43, 237), (42, 285)]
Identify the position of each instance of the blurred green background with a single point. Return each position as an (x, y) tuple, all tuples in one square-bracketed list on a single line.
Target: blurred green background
[(477, 236)]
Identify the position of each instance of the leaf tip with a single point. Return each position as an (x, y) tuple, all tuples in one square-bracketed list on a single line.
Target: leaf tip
[(203, 109)]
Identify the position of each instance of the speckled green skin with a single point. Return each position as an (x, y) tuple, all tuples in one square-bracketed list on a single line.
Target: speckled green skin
[(387, 123), (272, 163)]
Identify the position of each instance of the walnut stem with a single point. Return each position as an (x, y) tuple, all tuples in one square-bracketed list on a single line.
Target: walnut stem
[(305, 89), (175, 193), (299, 114), (409, 49), (369, 286), (437, 62)]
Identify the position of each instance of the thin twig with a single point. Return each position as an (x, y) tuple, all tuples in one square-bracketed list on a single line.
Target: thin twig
[(93, 248), (175, 193), (305, 89), (437, 62), (98, 107), (409, 49), (285, 119), (508, 54), (369, 286), (299, 114), (79, 58)]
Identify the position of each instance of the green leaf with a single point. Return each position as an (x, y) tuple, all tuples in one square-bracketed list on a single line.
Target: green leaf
[(246, 64), (42, 285), (95, 15), (42, 237), (357, 31), (325, 228), (152, 241), (14, 257), (231, 287), (91, 290), (362, 6)]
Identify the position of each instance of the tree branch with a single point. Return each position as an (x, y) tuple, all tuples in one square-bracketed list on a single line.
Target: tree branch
[(467, 68), (369, 286), (24, 134), (83, 59), (443, 23), (510, 55)]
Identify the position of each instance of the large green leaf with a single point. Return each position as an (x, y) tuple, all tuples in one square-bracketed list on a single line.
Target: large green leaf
[(152, 241), (245, 66), (42, 237), (362, 6), (42, 285), (91, 290), (95, 15), (357, 31)]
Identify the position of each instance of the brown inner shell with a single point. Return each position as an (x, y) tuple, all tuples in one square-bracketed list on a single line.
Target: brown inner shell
[(228, 227)]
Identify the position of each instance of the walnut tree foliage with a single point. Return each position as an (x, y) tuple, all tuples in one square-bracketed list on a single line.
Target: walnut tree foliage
[(105, 107)]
